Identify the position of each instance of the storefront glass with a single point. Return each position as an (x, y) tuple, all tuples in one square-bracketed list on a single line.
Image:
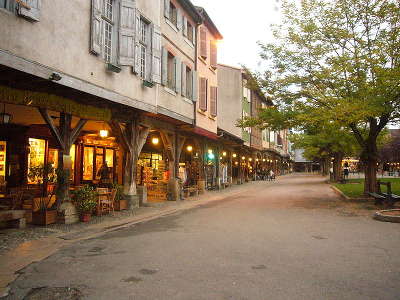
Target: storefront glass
[(36, 157), (3, 158), (110, 158), (88, 168)]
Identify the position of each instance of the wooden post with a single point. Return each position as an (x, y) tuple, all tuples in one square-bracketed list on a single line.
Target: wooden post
[(132, 137), (65, 137)]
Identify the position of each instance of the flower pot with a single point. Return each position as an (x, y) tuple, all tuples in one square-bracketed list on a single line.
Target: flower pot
[(121, 204), (44, 217), (85, 217)]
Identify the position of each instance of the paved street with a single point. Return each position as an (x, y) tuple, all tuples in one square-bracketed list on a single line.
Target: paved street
[(286, 240)]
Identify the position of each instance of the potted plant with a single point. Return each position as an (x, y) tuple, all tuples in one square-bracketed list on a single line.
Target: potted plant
[(120, 203), (45, 177), (85, 201)]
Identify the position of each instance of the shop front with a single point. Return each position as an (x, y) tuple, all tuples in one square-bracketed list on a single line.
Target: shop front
[(190, 164), (153, 169)]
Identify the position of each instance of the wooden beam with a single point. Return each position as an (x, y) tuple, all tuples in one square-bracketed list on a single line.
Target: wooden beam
[(53, 128), (168, 144), (77, 130)]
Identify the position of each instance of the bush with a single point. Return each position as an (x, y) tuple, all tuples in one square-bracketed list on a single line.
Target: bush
[(85, 199)]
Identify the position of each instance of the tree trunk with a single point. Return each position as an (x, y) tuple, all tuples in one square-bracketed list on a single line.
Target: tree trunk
[(370, 157), (324, 162), (337, 166)]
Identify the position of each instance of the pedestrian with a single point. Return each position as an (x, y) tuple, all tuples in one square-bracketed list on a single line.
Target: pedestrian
[(271, 175)]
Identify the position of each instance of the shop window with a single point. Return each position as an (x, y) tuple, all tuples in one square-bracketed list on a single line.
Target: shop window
[(88, 166), (110, 157), (94, 158), (72, 154), (3, 155), (36, 157), (53, 158)]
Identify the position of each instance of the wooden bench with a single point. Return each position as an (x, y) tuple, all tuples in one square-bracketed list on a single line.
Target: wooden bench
[(191, 190), (388, 199), (14, 218)]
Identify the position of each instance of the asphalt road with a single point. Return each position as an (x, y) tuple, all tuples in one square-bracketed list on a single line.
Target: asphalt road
[(285, 240)]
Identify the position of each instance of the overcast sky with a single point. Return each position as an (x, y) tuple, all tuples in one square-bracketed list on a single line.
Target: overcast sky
[(242, 24)]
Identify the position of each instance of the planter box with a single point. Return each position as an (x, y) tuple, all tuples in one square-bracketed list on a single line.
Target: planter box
[(121, 205), (44, 217)]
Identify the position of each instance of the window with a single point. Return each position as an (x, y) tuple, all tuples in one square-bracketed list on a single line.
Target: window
[(213, 100), (144, 43), (108, 17), (171, 69), (189, 83), (203, 93), (8, 5), (36, 157), (203, 42), (190, 32), (246, 115), (173, 14)]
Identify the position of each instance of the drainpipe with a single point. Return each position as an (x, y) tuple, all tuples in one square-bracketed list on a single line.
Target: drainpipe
[(195, 68)]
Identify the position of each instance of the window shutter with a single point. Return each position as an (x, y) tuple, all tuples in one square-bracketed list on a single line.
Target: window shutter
[(127, 33), (213, 101), (203, 42), (164, 66), (156, 51), (203, 94), (183, 72), (213, 54), (195, 84), (194, 35), (185, 28), (179, 20), (178, 75), (96, 31), (30, 9), (136, 67), (166, 8)]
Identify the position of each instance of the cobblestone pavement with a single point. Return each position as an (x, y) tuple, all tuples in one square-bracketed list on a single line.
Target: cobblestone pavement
[(292, 239)]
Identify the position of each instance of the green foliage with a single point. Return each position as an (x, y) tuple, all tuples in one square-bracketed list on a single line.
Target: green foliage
[(335, 62), (85, 199)]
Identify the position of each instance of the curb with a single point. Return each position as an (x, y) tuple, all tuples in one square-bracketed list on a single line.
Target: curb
[(381, 216), (347, 198)]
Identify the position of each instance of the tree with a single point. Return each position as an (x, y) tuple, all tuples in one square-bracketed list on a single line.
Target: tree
[(336, 61), (324, 142)]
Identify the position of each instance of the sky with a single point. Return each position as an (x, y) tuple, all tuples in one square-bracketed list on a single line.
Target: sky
[(242, 24)]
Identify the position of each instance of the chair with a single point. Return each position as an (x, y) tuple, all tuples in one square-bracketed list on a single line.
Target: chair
[(106, 200), (17, 196)]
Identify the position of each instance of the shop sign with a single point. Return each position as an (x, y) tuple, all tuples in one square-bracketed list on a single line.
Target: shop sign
[(53, 102)]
